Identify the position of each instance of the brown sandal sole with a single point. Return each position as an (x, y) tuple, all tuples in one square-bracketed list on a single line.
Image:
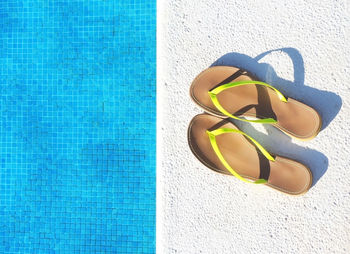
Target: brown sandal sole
[(283, 174), (294, 118)]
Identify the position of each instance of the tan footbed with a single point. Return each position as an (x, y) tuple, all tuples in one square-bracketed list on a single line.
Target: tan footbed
[(293, 117), (283, 174)]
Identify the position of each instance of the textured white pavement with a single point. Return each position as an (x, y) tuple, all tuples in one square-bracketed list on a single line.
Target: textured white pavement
[(301, 47)]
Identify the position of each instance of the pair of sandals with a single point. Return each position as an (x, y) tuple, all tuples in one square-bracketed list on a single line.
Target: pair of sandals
[(226, 92)]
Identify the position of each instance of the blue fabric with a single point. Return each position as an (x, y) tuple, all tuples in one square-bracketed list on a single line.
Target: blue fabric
[(77, 130)]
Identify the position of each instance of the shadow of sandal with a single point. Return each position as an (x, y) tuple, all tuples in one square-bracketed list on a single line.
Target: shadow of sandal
[(317, 161)]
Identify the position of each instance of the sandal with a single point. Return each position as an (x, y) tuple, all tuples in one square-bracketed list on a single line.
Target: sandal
[(226, 91), (214, 141)]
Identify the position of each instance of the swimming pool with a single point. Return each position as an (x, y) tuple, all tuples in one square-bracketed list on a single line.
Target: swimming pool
[(77, 133)]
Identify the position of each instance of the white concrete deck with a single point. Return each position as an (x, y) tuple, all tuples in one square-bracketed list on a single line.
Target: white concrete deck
[(301, 47)]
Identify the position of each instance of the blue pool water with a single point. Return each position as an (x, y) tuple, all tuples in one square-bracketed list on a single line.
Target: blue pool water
[(77, 130)]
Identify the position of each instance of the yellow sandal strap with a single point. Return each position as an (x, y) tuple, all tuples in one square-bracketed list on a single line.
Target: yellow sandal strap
[(212, 137), (213, 95)]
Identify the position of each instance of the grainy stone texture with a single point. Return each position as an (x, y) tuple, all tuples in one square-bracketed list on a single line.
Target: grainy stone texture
[(301, 47)]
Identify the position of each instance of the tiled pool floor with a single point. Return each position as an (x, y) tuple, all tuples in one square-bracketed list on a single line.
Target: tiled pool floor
[(77, 132)]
